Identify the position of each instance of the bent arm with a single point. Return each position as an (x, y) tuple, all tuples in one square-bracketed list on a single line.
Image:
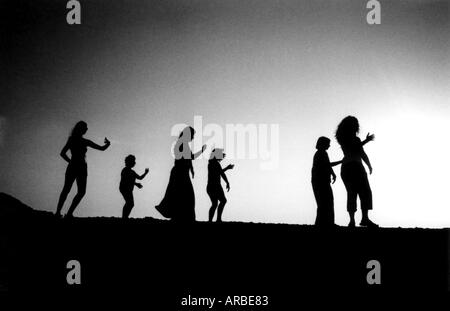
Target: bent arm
[(369, 137), (63, 152), (140, 177), (229, 167), (222, 173), (336, 163), (97, 147), (198, 153)]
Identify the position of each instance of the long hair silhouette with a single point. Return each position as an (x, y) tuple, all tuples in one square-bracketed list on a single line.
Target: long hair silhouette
[(348, 128), (353, 173)]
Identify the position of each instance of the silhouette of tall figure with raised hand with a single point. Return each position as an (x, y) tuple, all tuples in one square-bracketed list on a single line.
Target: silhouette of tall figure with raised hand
[(353, 173), (127, 183), (214, 187), (322, 175), (178, 203), (77, 167)]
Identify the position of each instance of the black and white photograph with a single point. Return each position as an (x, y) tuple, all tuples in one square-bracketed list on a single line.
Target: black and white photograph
[(238, 155)]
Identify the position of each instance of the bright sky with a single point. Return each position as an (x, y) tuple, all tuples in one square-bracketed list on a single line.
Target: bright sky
[(132, 71)]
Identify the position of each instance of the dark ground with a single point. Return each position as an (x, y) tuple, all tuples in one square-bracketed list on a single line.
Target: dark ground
[(163, 262)]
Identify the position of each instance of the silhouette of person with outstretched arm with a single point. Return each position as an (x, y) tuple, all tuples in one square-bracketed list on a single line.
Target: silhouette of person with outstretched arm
[(127, 183), (77, 166), (178, 203), (322, 175), (353, 173), (214, 187)]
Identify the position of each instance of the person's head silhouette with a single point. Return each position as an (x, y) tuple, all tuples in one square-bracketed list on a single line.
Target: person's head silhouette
[(79, 129), (323, 143), (218, 154), (130, 161), (187, 134), (348, 128)]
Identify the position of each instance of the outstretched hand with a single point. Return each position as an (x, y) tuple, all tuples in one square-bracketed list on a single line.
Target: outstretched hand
[(147, 170), (139, 186), (107, 141), (228, 187), (370, 137), (230, 166)]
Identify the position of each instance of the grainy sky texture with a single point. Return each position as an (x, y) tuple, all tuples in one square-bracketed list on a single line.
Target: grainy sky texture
[(134, 69)]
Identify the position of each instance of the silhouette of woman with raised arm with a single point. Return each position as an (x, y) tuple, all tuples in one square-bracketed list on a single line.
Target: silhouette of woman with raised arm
[(179, 200), (77, 167), (353, 173)]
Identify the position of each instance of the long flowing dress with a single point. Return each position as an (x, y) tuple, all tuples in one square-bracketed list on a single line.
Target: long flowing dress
[(178, 203), (321, 179)]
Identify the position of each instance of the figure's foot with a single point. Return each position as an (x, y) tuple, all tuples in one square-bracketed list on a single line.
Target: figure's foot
[(351, 224), (368, 223)]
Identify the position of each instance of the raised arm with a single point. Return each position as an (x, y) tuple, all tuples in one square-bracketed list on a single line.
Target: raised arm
[(98, 147), (229, 167), (198, 153), (63, 152), (369, 138), (140, 177)]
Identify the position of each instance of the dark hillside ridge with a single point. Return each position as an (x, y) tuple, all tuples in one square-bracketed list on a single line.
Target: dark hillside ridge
[(167, 261)]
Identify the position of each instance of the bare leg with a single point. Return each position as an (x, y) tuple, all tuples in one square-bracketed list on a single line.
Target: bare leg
[(352, 219), (68, 182), (212, 210), (127, 210), (81, 184), (220, 209)]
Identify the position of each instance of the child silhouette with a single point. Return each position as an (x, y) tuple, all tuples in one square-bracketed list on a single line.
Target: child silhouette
[(214, 187), (322, 175), (127, 183)]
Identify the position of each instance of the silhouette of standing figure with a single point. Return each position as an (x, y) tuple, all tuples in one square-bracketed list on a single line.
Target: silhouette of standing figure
[(353, 173), (322, 175), (179, 200), (127, 183), (77, 167), (214, 188)]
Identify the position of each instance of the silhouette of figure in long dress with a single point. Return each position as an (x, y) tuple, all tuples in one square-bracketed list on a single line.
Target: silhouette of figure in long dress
[(77, 167), (322, 175), (214, 187), (353, 173), (127, 183), (178, 203)]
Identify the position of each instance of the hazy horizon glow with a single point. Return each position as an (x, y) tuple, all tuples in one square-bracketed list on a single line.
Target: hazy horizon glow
[(133, 70)]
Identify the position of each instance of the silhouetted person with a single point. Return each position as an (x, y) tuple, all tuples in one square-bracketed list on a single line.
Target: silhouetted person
[(77, 168), (214, 187), (322, 175), (127, 183), (179, 200), (353, 173)]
